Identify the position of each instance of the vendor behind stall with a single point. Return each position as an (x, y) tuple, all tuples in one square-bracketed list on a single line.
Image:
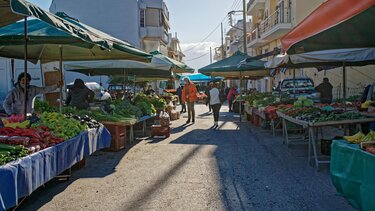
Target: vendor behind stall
[(148, 90), (325, 90), (14, 102), (79, 95)]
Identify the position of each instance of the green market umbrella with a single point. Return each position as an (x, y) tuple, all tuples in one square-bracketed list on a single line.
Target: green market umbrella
[(62, 40), (231, 67), (177, 67), (44, 42), (7, 16), (121, 67)]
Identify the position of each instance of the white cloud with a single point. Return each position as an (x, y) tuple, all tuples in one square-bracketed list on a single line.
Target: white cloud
[(197, 55)]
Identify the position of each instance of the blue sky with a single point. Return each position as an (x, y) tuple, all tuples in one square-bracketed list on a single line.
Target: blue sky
[(193, 20)]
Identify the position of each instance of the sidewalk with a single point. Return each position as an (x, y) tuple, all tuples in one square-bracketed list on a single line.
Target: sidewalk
[(237, 167)]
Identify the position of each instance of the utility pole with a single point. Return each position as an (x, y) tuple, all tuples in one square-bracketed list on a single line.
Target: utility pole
[(210, 55), (244, 10), (222, 43)]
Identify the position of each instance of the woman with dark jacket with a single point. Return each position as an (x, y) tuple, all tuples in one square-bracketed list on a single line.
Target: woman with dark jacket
[(79, 95)]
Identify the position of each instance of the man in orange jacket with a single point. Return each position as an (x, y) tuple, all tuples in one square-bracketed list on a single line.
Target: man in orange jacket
[(189, 96)]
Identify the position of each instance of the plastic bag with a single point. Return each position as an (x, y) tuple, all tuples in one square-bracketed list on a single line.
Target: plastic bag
[(164, 119)]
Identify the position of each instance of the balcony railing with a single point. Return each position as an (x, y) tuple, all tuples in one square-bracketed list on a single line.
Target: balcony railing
[(253, 35), (280, 16)]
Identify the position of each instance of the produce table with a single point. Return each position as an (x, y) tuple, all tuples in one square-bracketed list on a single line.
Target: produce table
[(313, 128), (21, 177), (368, 114), (352, 173)]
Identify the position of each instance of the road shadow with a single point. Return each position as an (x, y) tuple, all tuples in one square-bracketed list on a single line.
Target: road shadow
[(107, 160)]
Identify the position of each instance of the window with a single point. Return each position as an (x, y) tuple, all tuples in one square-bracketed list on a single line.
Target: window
[(142, 18), (153, 17)]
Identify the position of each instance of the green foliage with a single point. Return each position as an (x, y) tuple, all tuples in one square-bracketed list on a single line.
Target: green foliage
[(61, 126), (41, 106)]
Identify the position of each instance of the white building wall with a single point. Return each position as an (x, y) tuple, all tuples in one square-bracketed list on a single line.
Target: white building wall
[(119, 18)]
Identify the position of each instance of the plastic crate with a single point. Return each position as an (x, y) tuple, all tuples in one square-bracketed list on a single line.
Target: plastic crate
[(118, 133), (160, 131)]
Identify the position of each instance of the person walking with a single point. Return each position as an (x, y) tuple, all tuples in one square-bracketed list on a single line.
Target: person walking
[(79, 95), (15, 100), (215, 103), (231, 96), (189, 96), (207, 92), (325, 90), (183, 105)]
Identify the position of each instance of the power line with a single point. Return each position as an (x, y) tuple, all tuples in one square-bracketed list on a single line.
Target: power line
[(197, 57), (237, 5), (191, 48), (233, 5)]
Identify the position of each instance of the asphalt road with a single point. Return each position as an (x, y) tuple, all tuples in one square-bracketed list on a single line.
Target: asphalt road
[(236, 167)]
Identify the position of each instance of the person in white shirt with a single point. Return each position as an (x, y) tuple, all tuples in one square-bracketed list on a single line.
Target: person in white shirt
[(215, 103)]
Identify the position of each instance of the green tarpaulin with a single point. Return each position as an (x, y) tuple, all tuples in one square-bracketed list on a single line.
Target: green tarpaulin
[(177, 67), (352, 173), (231, 67)]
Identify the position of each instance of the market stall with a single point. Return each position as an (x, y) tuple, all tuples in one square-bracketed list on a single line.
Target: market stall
[(23, 176), (313, 120), (352, 171)]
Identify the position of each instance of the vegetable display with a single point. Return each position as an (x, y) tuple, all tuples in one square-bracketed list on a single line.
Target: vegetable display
[(61, 126), (10, 153), (303, 102), (360, 137)]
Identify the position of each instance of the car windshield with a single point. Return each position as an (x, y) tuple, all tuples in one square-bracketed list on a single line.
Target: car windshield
[(300, 83)]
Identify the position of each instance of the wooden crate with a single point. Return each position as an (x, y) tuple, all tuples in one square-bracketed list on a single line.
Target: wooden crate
[(158, 130), (118, 133)]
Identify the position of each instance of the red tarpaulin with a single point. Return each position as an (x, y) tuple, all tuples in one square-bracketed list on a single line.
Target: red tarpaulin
[(334, 24)]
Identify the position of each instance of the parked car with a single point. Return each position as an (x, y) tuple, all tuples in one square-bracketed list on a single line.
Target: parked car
[(100, 92), (117, 91), (297, 87)]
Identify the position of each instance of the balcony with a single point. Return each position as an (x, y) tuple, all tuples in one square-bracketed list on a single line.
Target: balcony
[(154, 33), (255, 5), (276, 25), (253, 39)]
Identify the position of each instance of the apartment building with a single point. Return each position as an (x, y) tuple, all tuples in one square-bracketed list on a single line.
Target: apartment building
[(272, 19), (234, 37), (144, 23)]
